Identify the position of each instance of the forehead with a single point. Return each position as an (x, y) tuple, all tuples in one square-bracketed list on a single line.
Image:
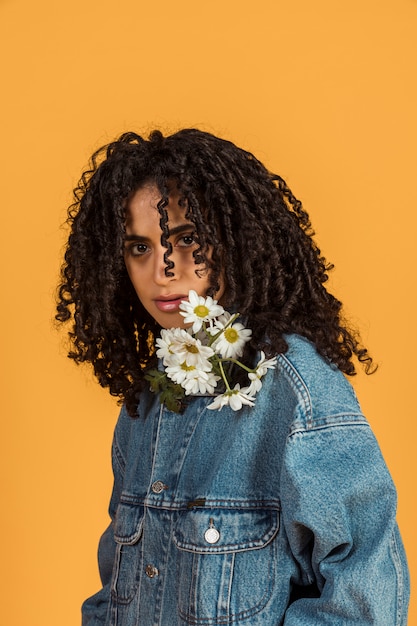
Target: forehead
[(142, 209), (144, 198)]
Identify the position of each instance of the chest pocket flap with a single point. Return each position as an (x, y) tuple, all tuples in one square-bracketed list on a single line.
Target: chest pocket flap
[(128, 524), (219, 531)]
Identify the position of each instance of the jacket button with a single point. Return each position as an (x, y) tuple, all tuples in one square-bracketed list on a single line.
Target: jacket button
[(151, 571), (211, 535), (158, 486)]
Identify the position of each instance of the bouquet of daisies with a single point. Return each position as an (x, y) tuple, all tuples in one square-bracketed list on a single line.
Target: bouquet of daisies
[(196, 359)]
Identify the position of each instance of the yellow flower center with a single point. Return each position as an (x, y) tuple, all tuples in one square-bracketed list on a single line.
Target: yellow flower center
[(201, 310), (231, 335), (187, 368), (191, 348)]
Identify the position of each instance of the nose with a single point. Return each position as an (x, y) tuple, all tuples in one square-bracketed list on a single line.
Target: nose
[(163, 265)]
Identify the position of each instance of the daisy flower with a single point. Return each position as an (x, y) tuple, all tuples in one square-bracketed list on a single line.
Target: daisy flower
[(193, 379), (176, 345), (265, 364), (204, 383), (235, 398), (261, 369), (231, 342), (192, 351), (169, 342), (198, 310)]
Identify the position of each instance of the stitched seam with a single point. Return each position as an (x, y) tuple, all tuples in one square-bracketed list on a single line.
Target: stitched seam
[(400, 579), (299, 386), (327, 426)]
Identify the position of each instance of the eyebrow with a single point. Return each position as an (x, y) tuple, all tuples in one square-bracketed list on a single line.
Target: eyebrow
[(177, 230)]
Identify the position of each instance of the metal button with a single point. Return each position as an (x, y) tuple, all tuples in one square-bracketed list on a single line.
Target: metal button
[(151, 571), (158, 486), (212, 535)]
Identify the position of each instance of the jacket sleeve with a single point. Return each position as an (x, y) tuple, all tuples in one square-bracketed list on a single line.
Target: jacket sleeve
[(338, 510), (95, 609)]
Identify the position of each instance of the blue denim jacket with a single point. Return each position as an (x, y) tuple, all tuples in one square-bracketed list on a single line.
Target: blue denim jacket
[(279, 514)]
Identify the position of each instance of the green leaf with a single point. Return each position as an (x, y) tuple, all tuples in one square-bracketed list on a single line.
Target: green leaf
[(171, 394)]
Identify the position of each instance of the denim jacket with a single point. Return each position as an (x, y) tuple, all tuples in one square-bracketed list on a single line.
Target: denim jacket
[(280, 514)]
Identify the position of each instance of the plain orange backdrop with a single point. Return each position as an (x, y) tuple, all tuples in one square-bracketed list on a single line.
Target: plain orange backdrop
[(323, 92)]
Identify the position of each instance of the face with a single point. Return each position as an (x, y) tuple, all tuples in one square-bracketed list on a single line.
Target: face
[(144, 256)]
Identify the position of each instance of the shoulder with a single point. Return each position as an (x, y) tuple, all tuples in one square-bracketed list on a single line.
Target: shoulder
[(321, 388), (121, 436), (128, 430)]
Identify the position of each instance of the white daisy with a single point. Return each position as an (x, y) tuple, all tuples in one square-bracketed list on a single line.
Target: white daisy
[(230, 344), (219, 402), (235, 398), (198, 310), (261, 369), (203, 383), (192, 351), (169, 342), (191, 378), (255, 384), (265, 364)]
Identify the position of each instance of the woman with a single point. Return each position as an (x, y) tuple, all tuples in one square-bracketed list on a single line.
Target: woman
[(274, 511)]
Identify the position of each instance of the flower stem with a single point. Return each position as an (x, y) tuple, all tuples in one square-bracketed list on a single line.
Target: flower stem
[(222, 372), (236, 362)]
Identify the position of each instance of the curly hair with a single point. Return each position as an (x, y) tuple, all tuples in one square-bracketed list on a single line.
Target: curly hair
[(246, 215)]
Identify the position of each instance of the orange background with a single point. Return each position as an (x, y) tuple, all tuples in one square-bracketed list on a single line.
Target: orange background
[(323, 92)]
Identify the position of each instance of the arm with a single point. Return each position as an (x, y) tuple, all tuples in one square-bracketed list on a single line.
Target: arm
[(94, 610), (339, 513)]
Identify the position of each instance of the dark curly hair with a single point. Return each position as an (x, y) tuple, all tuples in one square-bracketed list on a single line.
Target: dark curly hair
[(254, 226)]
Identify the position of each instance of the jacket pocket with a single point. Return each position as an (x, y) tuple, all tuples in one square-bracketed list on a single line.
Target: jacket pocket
[(127, 534), (225, 563)]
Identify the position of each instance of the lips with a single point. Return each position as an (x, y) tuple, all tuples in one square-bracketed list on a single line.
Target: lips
[(169, 303)]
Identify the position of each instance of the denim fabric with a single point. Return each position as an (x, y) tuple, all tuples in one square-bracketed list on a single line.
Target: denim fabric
[(279, 514)]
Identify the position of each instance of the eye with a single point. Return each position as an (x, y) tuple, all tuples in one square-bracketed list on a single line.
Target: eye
[(137, 249), (186, 241)]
